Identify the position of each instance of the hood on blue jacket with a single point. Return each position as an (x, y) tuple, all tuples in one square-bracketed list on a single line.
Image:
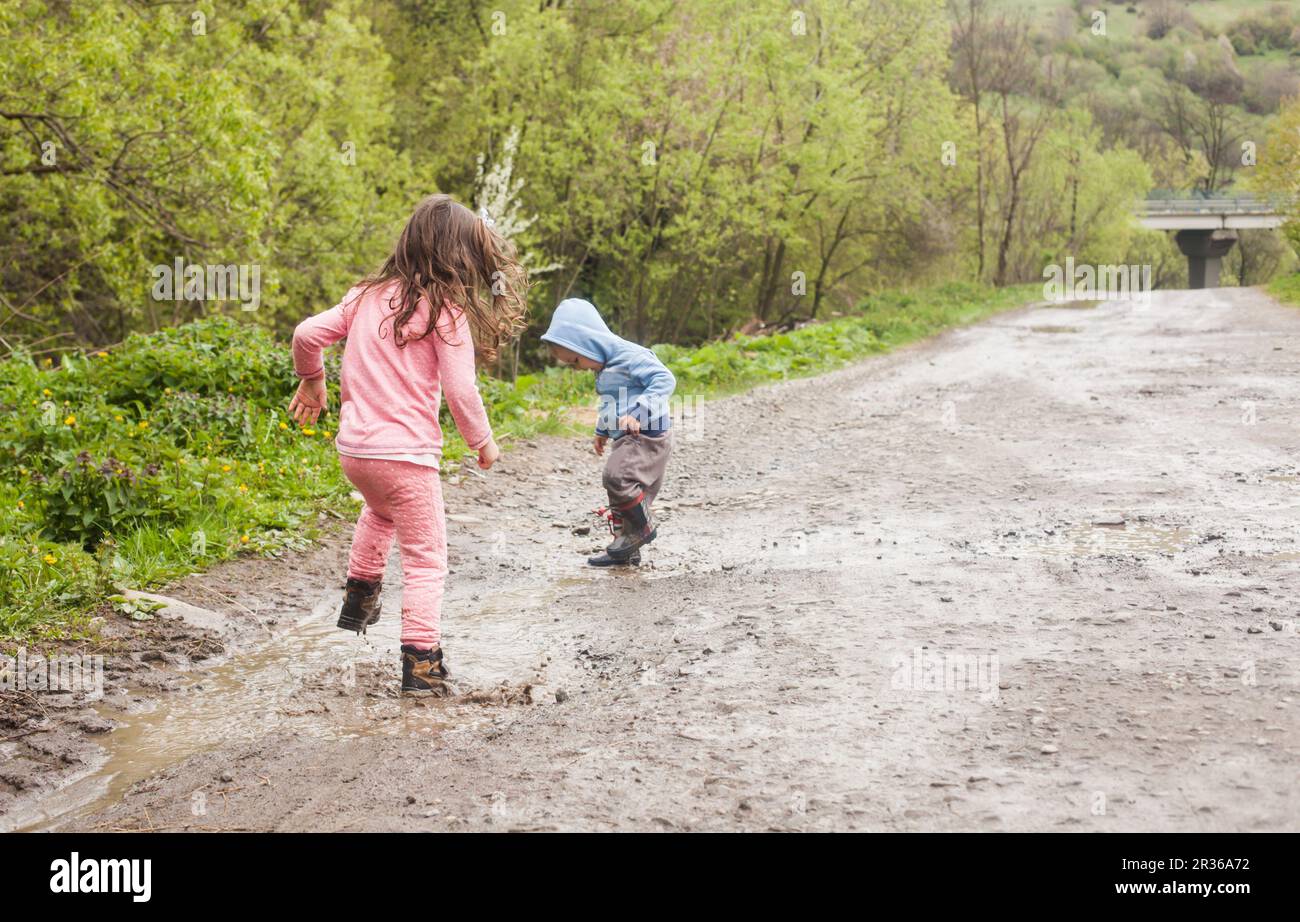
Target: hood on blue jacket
[(576, 325)]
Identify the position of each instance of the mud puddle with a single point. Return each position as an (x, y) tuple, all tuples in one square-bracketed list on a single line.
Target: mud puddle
[(317, 682), (1076, 305), (811, 549), (1136, 539), (1290, 480)]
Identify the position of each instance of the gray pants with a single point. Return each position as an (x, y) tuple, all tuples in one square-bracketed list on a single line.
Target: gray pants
[(636, 464)]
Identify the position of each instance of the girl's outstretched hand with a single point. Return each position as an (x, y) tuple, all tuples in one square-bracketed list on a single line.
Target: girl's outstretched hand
[(306, 405), (488, 454)]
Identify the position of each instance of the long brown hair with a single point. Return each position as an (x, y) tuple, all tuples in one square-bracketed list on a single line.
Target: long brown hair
[(448, 253)]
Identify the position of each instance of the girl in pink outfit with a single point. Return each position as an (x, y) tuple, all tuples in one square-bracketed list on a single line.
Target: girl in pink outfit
[(402, 358)]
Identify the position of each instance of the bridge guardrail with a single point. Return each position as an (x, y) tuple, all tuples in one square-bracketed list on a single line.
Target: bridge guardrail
[(1240, 204)]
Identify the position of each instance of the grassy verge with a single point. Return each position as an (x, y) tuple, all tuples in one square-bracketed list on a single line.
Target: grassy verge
[(1286, 288), (134, 467), (880, 323)]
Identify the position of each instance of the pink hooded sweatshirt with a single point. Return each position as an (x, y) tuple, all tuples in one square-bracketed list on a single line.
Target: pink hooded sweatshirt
[(390, 396)]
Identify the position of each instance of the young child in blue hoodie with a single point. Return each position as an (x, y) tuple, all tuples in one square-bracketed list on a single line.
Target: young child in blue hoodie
[(634, 389)]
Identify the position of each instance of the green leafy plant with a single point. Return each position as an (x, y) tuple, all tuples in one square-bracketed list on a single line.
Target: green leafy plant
[(85, 499), (137, 609)]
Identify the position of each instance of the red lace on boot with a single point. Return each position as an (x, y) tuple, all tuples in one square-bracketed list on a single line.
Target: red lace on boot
[(611, 518)]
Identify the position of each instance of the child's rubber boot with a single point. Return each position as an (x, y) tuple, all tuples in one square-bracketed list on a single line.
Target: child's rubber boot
[(637, 530), (423, 673), (361, 605), (603, 559)]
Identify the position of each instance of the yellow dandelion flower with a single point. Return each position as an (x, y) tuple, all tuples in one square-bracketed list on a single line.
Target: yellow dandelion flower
[(46, 391), (102, 355), (118, 418), (243, 488), (243, 539), (327, 434), (21, 504), (282, 425), (309, 432), (144, 424), (50, 559), (70, 421), (225, 468)]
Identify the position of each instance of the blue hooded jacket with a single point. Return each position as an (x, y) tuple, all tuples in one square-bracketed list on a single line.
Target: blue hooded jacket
[(633, 382)]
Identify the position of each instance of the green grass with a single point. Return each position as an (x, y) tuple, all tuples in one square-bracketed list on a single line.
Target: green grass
[(1286, 288), (882, 322), (132, 468)]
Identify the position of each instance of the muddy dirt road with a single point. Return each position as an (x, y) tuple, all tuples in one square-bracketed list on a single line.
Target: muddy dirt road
[(1038, 574)]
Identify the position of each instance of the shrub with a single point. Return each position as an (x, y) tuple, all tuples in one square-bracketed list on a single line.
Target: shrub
[(86, 499)]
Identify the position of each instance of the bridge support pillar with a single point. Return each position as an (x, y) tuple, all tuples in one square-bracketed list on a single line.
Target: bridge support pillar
[(1205, 250)]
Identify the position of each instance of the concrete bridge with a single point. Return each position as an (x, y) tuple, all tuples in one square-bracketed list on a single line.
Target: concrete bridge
[(1206, 227)]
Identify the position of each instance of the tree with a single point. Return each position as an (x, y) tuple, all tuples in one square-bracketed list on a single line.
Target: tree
[(132, 135), (1278, 173), (970, 41), (1025, 98)]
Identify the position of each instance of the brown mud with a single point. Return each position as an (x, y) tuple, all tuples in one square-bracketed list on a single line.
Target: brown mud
[(999, 580)]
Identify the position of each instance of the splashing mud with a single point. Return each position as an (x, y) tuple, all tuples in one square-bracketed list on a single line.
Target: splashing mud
[(315, 681)]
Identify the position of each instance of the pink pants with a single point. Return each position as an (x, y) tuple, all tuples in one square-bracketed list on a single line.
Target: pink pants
[(405, 500)]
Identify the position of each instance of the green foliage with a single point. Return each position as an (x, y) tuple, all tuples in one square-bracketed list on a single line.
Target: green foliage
[(1083, 197), (704, 158), (1286, 288), (41, 581), (136, 609), (162, 455), (1279, 167), (706, 154), (879, 323), (84, 500), (1275, 28), (706, 165), (136, 134)]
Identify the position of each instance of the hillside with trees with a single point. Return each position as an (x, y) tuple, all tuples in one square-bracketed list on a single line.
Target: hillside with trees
[(692, 167)]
